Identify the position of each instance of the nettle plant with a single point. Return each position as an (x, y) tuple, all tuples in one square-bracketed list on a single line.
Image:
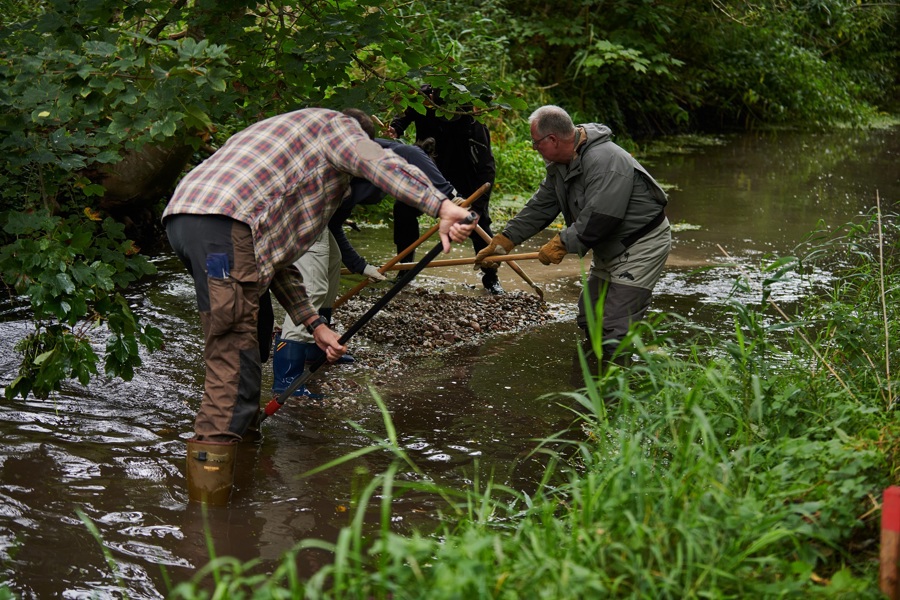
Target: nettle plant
[(70, 272)]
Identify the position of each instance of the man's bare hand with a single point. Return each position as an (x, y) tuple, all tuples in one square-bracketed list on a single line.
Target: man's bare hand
[(329, 341), (452, 226)]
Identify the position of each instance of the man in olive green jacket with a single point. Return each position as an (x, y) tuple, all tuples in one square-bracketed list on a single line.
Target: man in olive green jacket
[(611, 206)]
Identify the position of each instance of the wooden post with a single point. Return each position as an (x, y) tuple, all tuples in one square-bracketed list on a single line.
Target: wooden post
[(890, 542)]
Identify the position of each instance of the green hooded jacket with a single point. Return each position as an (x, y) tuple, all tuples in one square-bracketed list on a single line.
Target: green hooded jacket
[(605, 196)]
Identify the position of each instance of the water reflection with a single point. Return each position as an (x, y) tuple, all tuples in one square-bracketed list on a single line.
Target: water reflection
[(115, 451), (765, 192)]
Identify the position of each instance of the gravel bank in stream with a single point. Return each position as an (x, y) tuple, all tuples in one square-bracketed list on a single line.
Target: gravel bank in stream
[(414, 324)]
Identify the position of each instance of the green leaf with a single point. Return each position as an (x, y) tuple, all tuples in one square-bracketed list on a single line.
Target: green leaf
[(113, 85), (22, 223), (103, 49), (197, 119), (108, 156), (120, 125), (44, 357), (64, 283), (94, 190)]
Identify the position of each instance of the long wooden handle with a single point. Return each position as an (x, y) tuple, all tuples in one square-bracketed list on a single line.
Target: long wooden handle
[(512, 264), (387, 266), (450, 262)]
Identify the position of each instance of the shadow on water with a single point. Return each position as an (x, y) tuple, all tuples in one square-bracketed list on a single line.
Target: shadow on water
[(116, 450)]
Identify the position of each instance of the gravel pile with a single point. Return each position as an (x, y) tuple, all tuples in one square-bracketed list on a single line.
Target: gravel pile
[(415, 322), (429, 319)]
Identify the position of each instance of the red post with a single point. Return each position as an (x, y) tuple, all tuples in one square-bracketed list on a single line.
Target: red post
[(890, 542)]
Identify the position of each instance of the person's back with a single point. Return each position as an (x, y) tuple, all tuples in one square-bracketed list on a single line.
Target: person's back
[(415, 155)]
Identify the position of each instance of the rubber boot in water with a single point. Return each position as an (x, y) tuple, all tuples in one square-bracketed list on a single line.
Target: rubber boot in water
[(288, 363), (210, 471)]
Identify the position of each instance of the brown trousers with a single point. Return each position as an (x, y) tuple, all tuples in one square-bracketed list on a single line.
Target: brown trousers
[(229, 314)]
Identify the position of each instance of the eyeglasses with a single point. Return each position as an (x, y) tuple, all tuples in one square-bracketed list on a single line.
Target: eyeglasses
[(536, 143)]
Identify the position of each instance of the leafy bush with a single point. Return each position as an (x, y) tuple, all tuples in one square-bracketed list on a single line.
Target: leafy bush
[(646, 68), (72, 103), (519, 168), (785, 83), (71, 272)]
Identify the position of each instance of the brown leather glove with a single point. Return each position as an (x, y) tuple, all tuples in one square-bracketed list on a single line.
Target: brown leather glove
[(552, 252), (500, 245)]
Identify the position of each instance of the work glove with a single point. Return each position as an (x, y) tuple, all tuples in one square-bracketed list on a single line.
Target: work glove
[(552, 252), (372, 273), (500, 245)]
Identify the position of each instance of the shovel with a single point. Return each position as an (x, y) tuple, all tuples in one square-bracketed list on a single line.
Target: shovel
[(279, 401)]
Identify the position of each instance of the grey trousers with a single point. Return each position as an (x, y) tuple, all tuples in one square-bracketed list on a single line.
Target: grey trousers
[(627, 282), (320, 267), (218, 253)]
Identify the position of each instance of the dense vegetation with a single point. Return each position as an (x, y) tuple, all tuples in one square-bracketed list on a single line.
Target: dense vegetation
[(104, 104)]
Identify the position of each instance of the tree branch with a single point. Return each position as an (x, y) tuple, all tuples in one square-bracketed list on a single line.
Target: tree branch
[(166, 19)]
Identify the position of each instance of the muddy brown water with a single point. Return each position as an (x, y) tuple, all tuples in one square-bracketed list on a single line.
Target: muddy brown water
[(115, 451)]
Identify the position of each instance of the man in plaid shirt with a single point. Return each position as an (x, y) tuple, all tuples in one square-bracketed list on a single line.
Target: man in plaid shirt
[(238, 222)]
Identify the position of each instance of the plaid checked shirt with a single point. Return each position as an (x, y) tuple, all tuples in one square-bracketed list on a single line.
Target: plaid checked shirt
[(284, 177)]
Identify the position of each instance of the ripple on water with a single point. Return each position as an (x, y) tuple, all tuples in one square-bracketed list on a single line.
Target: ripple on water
[(114, 518), (153, 554), (146, 468)]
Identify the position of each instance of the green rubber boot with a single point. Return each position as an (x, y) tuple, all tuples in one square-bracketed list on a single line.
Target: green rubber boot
[(210, 471)]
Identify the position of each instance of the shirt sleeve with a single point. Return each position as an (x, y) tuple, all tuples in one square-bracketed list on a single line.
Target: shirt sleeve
[(537, 214), (349, 256), (419, 158), (287, 286), (402, 122), (351, 151)]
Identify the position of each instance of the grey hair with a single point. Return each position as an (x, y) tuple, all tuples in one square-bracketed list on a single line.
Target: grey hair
[(551, 119)]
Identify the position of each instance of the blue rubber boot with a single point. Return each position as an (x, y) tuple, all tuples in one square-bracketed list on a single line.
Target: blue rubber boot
[(288, 362)]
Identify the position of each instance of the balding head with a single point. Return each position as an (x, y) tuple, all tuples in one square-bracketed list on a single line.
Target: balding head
[(551, 119), (553, 134)]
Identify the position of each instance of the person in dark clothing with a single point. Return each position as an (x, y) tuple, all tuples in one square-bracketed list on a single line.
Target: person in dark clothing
[(463, 155), (363, 193)]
